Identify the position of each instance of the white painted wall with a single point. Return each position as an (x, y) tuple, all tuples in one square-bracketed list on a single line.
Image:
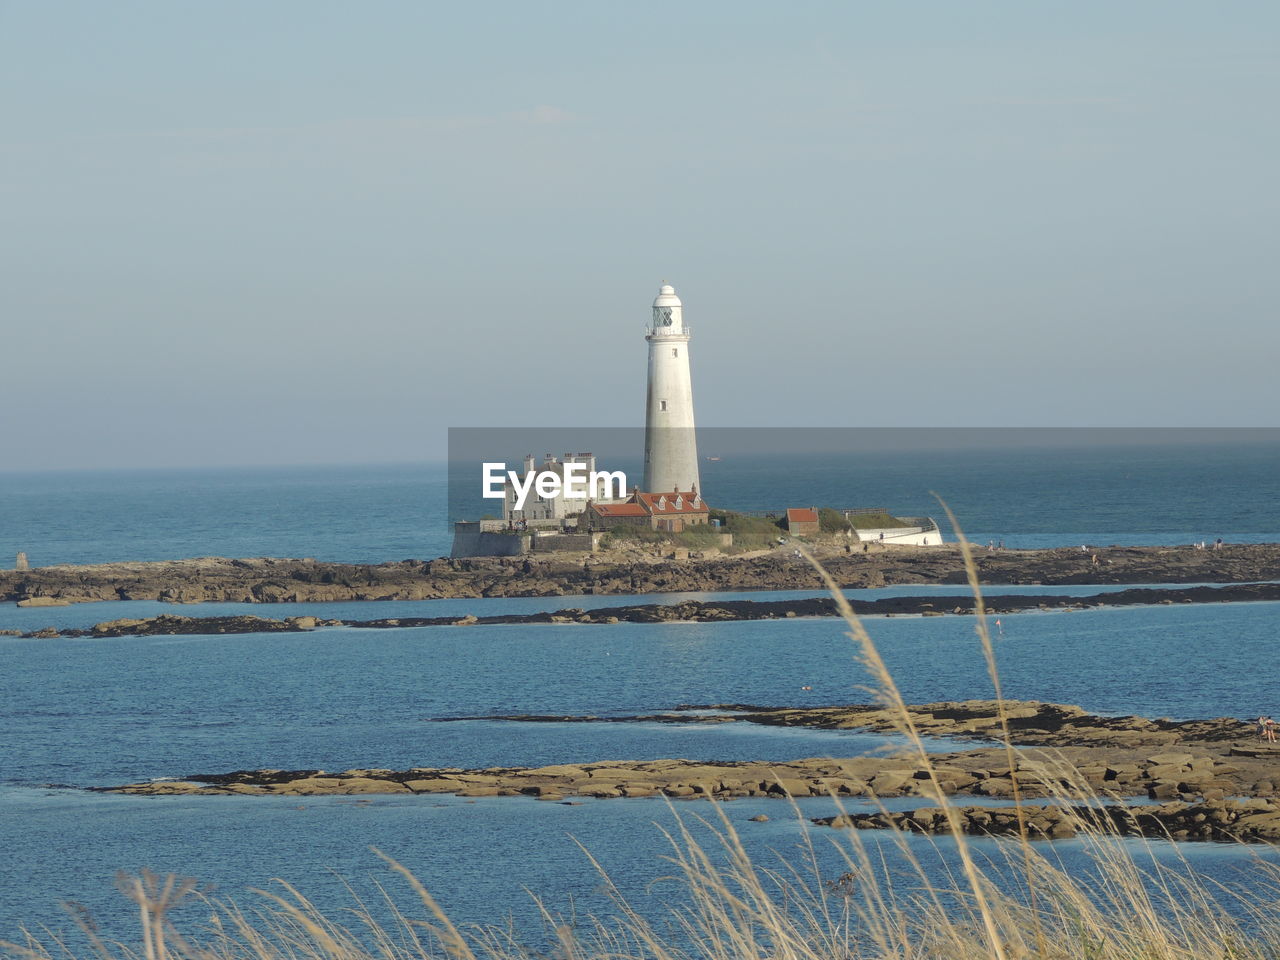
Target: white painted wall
[(670, 444), (904, 536)]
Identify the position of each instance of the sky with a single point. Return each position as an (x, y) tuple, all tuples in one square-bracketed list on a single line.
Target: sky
[(310, 232)]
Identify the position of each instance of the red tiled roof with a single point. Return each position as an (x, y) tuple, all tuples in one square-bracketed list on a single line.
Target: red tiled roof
[(620, 509), (664, 503), (802, 515)]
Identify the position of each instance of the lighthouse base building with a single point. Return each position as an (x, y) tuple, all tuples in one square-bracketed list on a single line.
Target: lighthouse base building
[(668, 512), (668, 498)]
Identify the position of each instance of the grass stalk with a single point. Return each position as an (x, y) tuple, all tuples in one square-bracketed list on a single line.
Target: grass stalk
[(889, 694), (983, 629)]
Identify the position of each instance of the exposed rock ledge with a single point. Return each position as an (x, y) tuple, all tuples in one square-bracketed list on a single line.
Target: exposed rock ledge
[(690, 611), (1198, 768), (1251, 820), (276, 580), (1032, 723)]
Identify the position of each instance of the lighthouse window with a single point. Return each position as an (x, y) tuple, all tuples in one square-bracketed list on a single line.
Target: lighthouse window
[(662, 404), (675, 352)]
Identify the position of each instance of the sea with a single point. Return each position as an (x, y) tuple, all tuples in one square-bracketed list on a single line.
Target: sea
[(92, 712)]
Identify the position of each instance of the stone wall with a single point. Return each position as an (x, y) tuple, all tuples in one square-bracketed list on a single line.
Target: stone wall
[(469, 540), (544, 543)]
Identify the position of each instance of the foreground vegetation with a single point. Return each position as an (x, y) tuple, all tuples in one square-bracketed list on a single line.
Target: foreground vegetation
[(736, 910), (1020, 905)]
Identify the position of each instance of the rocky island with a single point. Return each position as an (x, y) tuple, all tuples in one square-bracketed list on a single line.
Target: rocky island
[(1210, 779), (267, 580), (689, 611)]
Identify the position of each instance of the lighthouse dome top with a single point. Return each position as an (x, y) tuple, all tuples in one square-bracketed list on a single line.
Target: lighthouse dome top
[(667, 297)]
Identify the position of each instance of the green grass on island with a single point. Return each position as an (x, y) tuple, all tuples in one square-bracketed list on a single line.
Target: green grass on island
[(750, 532)]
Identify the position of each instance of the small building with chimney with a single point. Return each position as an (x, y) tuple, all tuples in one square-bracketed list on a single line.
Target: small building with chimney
[(669, 512), (803, 522), (611, 516)]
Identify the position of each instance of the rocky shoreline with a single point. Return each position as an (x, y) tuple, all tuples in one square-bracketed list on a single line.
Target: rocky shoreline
[(692, 611), (265, 580), (1211, 779)]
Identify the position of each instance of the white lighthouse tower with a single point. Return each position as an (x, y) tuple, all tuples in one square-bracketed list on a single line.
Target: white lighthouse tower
[(670, 448)]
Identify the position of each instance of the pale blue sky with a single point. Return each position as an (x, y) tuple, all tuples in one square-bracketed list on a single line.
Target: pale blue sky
[(293, 232)]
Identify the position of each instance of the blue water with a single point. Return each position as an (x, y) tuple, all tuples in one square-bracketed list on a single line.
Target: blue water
[(92, 711), (352, 514), (83, 712), (482, 860), (96, 711), (1035, 497), (1027, 497)]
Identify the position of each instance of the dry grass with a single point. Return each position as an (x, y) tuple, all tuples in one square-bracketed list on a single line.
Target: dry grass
[(1023, 905)]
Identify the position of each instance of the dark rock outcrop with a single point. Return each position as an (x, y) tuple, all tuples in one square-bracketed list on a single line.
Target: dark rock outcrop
[(1246, 820), (697, 611), (266, 580)]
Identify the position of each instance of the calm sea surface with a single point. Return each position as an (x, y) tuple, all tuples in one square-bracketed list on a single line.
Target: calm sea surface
[(76, 713), (1026, 497)]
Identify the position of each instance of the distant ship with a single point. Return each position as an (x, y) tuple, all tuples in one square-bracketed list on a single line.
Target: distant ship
[(713, 458)]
